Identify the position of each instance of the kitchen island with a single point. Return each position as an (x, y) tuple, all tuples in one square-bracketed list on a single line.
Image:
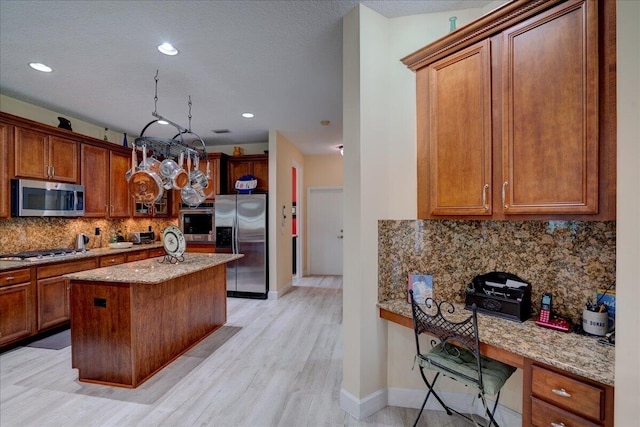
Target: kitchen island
[(128, 321)]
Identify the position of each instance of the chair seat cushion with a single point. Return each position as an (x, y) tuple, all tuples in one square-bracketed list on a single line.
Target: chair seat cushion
[(494, 373)]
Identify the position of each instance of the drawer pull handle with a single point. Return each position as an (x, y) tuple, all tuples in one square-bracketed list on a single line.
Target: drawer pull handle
[(557, 425), (9, 278), (562, 392)]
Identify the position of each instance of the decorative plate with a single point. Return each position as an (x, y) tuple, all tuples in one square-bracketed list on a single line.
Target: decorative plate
[(173, 241)]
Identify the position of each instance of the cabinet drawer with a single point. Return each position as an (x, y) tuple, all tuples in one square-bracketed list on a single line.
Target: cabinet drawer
[(568, 393), (544, 414), (137, 256), (15, 276), (65, 268), (156, 252), (116, 259)]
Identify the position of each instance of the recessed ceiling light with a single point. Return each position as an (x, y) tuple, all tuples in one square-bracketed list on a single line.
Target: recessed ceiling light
[(40, 67), (247, 115), (168, 49)]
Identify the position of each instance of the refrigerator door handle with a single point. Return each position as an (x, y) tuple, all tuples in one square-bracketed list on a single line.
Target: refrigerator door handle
[(236, 238)]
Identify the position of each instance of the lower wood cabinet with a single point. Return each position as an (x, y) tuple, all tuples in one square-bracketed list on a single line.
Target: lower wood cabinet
[(53, 302), (108, 260), (137, 256), (17, 298), (557, 398), (36, 299), (53, 291)]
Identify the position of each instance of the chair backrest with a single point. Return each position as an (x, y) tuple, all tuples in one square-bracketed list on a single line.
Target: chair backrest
[(453, 335)]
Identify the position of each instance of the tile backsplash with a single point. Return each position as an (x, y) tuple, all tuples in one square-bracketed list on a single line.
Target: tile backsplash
[(27, 234), (570, 259)]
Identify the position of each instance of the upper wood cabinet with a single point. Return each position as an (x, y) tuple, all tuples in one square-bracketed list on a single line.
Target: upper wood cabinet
[(43, 156), (514, 115), (103, 175), (252, 164), (550, 112), (4, 174), (458, 121)]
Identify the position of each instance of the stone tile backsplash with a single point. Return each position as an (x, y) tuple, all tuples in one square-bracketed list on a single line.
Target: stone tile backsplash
[(29, 234), (570, 259)]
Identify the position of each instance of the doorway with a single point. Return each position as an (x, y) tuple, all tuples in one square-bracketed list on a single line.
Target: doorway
[(296, 238), (325, 231)]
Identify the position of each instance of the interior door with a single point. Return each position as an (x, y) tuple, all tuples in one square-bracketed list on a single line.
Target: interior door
[(325, 231)]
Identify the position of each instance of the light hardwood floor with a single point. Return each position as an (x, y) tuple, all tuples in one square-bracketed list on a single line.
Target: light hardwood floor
[(275, 363)]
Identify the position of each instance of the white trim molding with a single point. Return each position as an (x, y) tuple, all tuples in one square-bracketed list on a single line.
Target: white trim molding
[(465, 403)]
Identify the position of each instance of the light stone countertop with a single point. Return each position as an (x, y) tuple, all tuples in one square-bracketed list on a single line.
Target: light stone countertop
[(152, 270), (578, 354), (91, 253)]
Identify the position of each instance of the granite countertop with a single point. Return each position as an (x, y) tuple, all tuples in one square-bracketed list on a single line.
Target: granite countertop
[(152, 271), (91, 253), (578, 354)]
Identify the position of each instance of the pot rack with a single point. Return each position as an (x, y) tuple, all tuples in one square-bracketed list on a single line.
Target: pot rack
[(170, 147)]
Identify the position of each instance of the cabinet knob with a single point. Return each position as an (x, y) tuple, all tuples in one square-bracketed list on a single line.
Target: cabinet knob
[(562, 392)]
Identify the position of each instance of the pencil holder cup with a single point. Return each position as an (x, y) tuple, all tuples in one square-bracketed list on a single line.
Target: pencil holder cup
[(595, 323)]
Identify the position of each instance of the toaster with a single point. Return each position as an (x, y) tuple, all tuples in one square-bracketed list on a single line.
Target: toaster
[(142, 237)]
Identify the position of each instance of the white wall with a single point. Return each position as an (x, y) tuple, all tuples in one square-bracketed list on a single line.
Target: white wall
[(380, 181), (49, 117), (627, 394)]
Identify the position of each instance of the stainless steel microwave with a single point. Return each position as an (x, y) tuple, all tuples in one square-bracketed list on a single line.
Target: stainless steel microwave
[(198, 225), (44, 198)]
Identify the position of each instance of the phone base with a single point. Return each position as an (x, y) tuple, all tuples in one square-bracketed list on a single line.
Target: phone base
[(559, 324)]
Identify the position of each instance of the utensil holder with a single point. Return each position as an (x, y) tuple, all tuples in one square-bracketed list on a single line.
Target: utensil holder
[(595, 323)]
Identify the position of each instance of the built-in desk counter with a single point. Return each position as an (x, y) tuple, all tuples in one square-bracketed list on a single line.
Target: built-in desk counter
[(568, 378)]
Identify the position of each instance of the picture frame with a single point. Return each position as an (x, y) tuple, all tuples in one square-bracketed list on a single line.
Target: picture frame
[(422, 286)]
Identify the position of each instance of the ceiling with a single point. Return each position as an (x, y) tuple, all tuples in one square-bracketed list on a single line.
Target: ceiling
[(281, 60)]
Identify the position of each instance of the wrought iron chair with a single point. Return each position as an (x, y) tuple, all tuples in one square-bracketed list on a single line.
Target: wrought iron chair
[(455, 353)]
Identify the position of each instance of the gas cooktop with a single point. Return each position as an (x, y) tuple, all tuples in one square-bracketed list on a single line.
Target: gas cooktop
[(42, 254)]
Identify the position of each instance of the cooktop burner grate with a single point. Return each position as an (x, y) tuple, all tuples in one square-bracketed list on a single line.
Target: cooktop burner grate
[(41, 254)]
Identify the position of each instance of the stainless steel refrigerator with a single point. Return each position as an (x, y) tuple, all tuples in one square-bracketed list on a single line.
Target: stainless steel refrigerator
[(241, 228)]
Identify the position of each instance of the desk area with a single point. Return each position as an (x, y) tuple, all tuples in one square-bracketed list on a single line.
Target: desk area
[(546, 357)]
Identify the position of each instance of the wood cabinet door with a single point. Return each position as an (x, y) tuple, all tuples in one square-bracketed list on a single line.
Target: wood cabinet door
[(53, 302), (94, 175), (119, 197), (17, 312), (4, 173), (236, 170), (454, 152), (62, 159), (30, 153), (261, 171), (550, 112)]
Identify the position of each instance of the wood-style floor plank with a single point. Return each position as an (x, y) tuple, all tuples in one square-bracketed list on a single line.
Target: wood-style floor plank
[(275, 363)]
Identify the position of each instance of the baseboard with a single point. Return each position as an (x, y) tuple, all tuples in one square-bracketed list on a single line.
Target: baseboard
[(280, 292), (412, 398), (362, 408)]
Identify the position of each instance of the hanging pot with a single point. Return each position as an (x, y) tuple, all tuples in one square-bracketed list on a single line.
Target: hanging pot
[(134, 164), (145, 185), (190, 195), (173, 174)]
